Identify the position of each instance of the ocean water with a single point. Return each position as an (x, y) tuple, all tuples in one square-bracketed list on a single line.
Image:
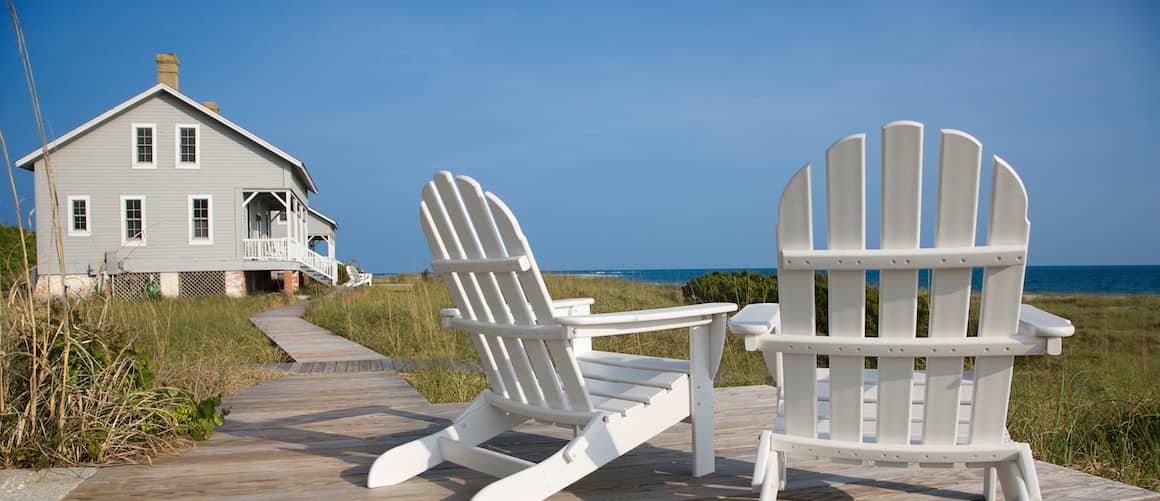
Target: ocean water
[(1064, 279)]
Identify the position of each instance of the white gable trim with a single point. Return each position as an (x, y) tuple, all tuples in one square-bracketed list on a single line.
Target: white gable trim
[(26, 162)]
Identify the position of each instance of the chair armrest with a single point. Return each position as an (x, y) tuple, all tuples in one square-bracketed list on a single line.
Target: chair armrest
[(671, 313), (627, 322), (446, 315), (1036, 322), (576, 301), (574, 306), (754, 320)]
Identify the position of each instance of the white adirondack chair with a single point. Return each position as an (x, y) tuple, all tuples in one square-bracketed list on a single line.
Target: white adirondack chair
[(356, 277), (539, 363), (896, 415)]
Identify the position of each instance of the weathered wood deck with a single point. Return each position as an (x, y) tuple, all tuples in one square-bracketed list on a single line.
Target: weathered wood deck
[(313, 436), (306, 342), (314, 433)]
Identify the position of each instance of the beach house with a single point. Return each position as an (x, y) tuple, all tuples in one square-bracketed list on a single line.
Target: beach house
[(162, 195)]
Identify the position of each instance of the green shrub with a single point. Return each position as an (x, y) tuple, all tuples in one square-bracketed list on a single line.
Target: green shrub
[(12, 261), (747, 287)]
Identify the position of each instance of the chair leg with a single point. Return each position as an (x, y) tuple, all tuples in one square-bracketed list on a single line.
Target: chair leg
[(1030, 476), (989, 482), (783, 461), (478, 423), (772, 481), (597, 444), (762, 460), (1011, 480), (701, 401), (557, 472)]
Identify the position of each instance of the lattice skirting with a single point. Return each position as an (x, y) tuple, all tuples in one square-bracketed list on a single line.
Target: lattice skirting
[(136, 285), (189, 283), (202, 283)]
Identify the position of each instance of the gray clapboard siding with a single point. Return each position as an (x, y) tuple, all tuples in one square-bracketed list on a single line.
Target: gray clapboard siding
[(98, 164)]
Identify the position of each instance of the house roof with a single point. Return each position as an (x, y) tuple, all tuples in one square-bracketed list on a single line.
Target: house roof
[(322, 216), (28, 161)]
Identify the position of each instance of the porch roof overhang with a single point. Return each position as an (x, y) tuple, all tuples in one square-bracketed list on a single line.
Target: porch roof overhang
[(317, 213)]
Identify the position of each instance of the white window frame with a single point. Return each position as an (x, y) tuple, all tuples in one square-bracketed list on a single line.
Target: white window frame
[(124, 240), (72, 231), (133, 142), (196, 146), (189, 218)]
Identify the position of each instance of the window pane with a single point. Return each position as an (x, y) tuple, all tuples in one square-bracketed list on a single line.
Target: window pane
[(133, 229), (144, 145), (201, 218), (188, 144), (80, 220)]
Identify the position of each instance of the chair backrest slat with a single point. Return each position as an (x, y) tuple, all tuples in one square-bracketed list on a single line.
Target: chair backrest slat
[(796, 295), (999, 307), (956, 214), (846, 230), (512, 297), (898, 289), (481, 287), (429, 213), (563, 386)]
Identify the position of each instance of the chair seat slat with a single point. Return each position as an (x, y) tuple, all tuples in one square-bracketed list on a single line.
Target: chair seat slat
[(625, 375), (657, 364)]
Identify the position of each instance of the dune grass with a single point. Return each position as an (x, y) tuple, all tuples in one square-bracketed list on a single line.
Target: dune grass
[(1096, 408), (204, 345), (120, 381)]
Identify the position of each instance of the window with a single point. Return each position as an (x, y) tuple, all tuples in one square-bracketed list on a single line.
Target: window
[(78, 216), (188, 152), (132, 220), (200, 220), (144, 146)]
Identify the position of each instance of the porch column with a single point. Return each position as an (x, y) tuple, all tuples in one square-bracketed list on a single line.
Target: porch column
[(330, 246)]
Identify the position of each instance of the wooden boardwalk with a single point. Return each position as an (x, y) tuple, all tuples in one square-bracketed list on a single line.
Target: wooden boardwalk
[(306, 342), (314, 433), (313, 436)]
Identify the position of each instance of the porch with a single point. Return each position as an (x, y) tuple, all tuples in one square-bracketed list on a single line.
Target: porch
[(280, 226)]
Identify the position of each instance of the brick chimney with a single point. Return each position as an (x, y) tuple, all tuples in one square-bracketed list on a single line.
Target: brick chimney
[(212, 106), (167, 69)]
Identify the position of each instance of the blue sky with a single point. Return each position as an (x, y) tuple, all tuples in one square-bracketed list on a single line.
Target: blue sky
[(634, 134)]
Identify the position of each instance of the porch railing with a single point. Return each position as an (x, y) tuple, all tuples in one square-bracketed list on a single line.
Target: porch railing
[(285, 249), (267, 249)]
